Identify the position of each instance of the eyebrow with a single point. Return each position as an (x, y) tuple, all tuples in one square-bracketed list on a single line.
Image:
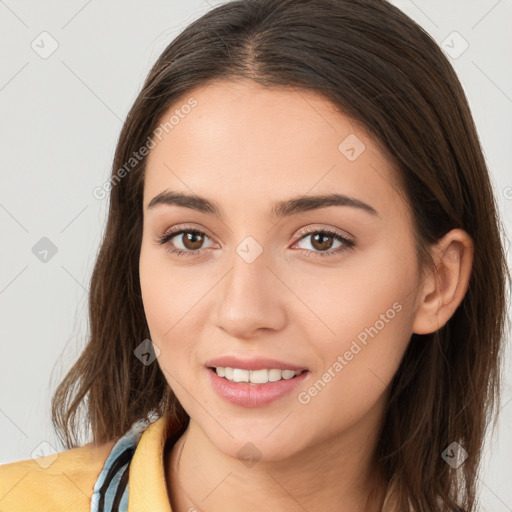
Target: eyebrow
[(280, 209)]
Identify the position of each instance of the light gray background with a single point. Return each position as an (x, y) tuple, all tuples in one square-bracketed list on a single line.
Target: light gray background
[(60, 119)]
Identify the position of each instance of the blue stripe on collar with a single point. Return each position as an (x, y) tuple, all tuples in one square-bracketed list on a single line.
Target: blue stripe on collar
[(110, 492)]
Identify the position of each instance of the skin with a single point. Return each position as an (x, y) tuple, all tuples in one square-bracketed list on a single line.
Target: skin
[(246, 147)]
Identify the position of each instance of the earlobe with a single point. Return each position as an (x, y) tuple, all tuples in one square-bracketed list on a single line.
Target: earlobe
[(444, 288)]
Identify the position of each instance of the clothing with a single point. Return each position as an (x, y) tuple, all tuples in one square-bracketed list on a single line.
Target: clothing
[(87, 478), (126, 474)]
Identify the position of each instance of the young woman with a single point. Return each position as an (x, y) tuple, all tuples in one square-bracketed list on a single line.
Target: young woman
[(300, 298)]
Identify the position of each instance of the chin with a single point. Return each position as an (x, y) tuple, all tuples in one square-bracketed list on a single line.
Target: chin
[(258, 440)]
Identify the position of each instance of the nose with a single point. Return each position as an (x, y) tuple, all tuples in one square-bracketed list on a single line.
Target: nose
[(250, 298)]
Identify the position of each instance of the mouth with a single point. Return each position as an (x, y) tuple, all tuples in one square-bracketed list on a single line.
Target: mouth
[(258, 386), (260, 376)]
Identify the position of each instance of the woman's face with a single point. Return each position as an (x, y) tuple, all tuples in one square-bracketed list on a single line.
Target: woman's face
[(261, 281)]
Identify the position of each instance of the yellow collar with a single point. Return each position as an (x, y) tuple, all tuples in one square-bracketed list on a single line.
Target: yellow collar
[(147, 482)]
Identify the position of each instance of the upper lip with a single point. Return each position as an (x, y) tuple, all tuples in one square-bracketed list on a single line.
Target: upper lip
[(255, 363)]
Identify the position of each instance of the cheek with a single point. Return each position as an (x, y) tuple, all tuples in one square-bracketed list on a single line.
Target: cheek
[(173, 299), (341, 302), (371, 313), (357, 369), (153, 284)]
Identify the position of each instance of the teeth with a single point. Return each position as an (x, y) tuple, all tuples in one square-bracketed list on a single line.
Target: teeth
[(258, 376), (274, 375), (240, 375), (255, 376)]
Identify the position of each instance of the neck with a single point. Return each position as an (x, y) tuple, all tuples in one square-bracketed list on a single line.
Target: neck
[(334, 475)]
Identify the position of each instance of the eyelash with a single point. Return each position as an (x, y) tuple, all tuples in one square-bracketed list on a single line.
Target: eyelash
[(166, 237)]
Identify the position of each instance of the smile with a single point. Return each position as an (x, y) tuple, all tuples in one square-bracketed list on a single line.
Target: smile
[(254, 388), (263, 376)]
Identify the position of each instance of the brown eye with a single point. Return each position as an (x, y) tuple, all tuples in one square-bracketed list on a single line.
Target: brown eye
[(322, 241), (192, 240), (185, 242)]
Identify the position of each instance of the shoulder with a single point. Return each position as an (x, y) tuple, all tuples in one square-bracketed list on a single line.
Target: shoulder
[(60, 481)]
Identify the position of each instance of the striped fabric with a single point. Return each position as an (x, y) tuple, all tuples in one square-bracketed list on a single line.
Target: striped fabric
[(110, 493)]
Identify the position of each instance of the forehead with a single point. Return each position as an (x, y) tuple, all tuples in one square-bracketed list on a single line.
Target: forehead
[(243, 143)]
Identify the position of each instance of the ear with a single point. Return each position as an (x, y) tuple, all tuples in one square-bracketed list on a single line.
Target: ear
[(444, 288)]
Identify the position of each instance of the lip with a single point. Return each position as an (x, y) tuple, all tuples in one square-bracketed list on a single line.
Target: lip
[(255, 363), (244, 394)]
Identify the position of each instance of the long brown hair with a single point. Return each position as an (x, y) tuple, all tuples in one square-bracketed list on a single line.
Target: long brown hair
[(378, 67)]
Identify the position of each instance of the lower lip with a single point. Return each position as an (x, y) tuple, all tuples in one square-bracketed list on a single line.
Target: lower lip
[(253, 395)]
